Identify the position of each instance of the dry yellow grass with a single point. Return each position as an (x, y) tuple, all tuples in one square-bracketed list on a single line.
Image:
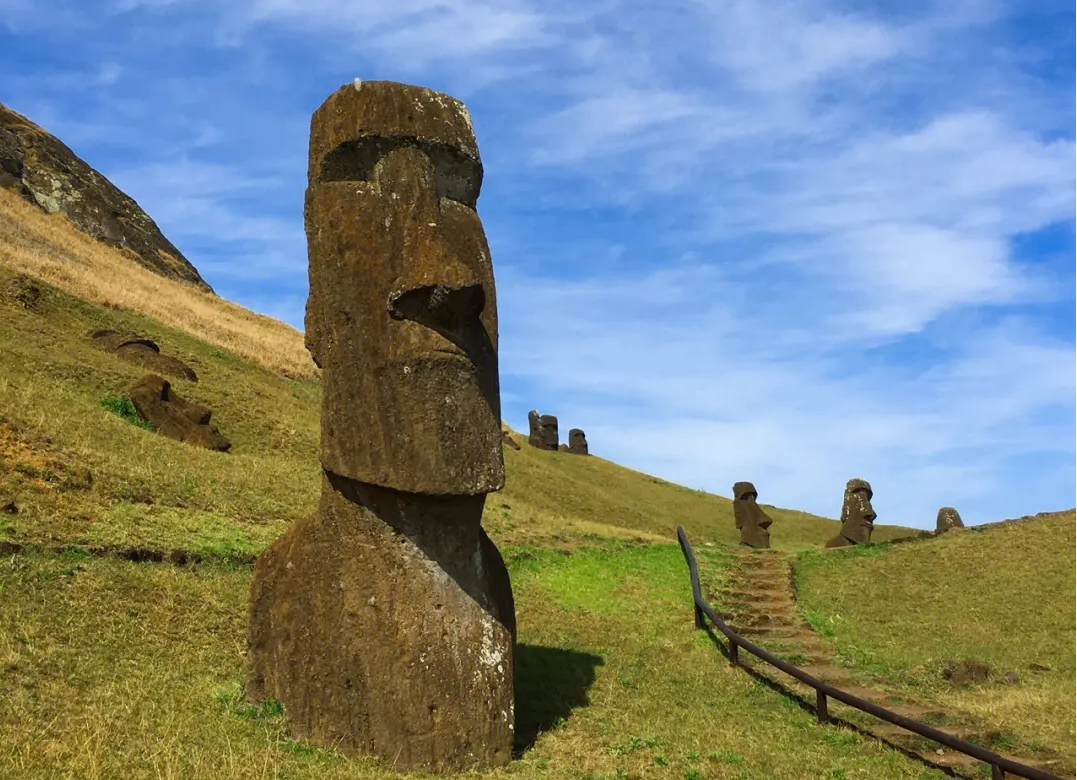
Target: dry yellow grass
[(50, 247)]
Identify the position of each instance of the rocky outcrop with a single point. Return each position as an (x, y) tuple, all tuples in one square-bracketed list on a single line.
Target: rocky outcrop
[(43, 170)]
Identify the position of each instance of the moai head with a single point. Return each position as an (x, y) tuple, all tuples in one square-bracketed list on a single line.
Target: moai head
[(857, 515), (947, 518), (401, 315), (548, 425), (577, 442), (752, 522), (534, 429)]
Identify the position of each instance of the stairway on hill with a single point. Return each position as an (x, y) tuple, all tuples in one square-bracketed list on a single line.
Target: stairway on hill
[(758, 602)]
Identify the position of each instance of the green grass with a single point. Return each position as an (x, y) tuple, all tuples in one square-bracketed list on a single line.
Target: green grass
[(122, 407), (1001, 594), (116, 669)]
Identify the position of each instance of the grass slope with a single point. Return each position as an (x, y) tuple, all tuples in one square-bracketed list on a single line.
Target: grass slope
[(1001, 594)]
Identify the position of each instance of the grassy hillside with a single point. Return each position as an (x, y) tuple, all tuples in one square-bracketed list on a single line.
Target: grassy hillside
[(110, 668), (1002, 594)]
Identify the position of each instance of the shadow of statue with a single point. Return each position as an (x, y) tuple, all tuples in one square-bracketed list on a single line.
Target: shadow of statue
[(549, 683)]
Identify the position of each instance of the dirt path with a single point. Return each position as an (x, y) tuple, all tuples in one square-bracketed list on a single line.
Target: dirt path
[(758, 602)]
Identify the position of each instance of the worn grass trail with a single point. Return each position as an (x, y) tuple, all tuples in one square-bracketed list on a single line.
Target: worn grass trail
[(761, 604)]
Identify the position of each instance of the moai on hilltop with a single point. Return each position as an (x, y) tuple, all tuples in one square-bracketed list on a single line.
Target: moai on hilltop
[(752, 521), (384, 622), (542, 431), (857, 516), (534, 429), (548, 426), (577, 442), (946, 519)]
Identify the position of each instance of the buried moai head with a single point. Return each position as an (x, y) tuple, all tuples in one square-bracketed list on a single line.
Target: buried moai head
[(173, 416), (577, 442), (753, 523), (947, 518), (857, 515), (401, 315), (548, 428)]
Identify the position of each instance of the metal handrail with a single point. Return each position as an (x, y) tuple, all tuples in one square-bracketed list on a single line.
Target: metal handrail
[(999, 764)]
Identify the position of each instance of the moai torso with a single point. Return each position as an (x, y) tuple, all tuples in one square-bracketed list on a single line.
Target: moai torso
[(857, 515), (751, 520), (384, 623)]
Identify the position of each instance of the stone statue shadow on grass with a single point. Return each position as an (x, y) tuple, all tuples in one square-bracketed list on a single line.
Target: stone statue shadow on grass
[(550, 683)]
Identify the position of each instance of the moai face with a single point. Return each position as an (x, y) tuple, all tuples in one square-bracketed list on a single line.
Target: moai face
[(947, 518), (401, 315), (857, 515), (753, 523), (577, 442), (548, 425)]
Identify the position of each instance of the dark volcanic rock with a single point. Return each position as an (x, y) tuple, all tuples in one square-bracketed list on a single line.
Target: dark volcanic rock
[(577, 442), (172, 416), (38, 166), (142, 352), (946, 519), (752, 522)]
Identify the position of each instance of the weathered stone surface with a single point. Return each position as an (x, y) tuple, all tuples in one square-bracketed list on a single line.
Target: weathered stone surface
[(172, 416), (37, 165), (947, 518), (577, 442), (548, 426), (534, 429), (142, 352), (385, 622), (752, 521), (24, 292), (857, 515)]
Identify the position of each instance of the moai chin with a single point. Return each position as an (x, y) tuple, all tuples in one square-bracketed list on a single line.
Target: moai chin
[(577, 442), (946, 519), (548, 431), (384, 623), (752, 522), (857, 515)]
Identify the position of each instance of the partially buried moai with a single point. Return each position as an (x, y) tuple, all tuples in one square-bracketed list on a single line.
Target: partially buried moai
[(857, 515), (577, 442), (752, 522), (946, 519), (542, 431), (384, 623), (534, 429)]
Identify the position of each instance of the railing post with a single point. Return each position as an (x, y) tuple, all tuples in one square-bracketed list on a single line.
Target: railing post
[(820, 706), (733, 646), (997, 773), (699, 617)]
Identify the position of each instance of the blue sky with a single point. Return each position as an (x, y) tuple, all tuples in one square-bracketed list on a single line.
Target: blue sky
[(760, 240)]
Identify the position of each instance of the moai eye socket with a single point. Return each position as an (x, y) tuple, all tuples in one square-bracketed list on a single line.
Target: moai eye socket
[(457, 176)]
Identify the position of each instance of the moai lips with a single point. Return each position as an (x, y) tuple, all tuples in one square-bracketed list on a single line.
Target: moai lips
[(385, 623), (857, 515), (752, 522), (946, 519)]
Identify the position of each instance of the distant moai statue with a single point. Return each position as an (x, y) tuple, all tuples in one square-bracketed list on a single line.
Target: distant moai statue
[(384, 622), (534, 429), (857, 515), (577, 442), (946, 519), (550, 439), (542, 431), (751, 520)]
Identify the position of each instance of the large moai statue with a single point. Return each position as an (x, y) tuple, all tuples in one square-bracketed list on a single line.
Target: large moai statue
[(946, 519), (857, 515), (384, 623), (752, 522), (577, 442)]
